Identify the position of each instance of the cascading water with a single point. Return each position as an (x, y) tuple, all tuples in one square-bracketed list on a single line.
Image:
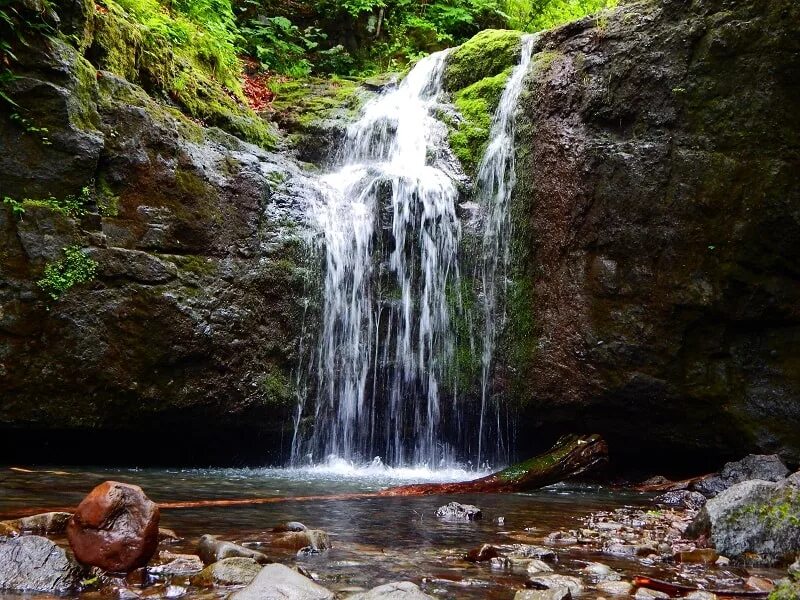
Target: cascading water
[(390, 243), (383, 368), (495, 183)]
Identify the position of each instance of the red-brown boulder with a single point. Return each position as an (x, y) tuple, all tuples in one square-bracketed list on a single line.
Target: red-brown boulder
[(114, 528)]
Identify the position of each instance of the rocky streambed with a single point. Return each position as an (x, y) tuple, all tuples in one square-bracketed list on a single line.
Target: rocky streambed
[(565, 541)]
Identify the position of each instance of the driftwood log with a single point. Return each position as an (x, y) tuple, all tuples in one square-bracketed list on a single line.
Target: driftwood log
[(570, 456)]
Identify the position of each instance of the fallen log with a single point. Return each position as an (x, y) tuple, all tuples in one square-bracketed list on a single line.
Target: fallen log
[(570, 456)]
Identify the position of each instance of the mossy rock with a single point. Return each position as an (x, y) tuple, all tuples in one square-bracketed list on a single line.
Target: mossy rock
[(476, 104), (489, 53)]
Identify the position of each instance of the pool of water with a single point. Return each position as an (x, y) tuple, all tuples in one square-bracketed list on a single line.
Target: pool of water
[(375, 540)]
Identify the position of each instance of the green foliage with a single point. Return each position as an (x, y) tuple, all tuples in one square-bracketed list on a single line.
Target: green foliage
[(786, 590), (485, 55), (76, 267), (72, 205), (536, 15), (17, 208)]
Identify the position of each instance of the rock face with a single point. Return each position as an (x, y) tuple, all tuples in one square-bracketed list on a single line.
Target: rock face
[(757, 519), (115, 528), (192, 319), (35, 564), (655, 297), (278, 582), (754, 466)]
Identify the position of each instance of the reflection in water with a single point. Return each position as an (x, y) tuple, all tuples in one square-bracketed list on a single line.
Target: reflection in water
[(375, 540)]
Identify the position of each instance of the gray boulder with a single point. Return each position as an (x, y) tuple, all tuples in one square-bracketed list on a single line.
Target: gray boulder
[(682, 498), (35, 564), (767, 467), (454, 511), (398, 590), (760, 518), (228, 571), (279, 582)]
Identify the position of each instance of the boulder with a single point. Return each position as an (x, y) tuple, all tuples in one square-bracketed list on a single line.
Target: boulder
[(279, 582), (757, 519), (177, 564), (36, 564), (115, 528), (212, 550), (455, 511), (398, 590), (615, 588), (682, 498), (767, 467), (228, 571)]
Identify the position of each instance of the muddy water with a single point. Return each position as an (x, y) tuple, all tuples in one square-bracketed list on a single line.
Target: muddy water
[(375, 540)]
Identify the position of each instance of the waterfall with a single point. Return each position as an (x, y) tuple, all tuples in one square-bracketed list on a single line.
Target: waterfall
[(390, 236), (383, 367), (494, 185)]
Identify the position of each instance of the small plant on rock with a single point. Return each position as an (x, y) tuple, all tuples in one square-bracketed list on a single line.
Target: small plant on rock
[(76, 267)]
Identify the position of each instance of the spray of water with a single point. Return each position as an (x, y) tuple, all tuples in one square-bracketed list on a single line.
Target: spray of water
[(494, 184)]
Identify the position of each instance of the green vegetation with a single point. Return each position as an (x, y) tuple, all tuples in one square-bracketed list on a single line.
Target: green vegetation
[(536, 15), (73, 206), (76, 267)]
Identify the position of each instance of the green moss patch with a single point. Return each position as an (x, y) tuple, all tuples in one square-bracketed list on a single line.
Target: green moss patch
[(476, 103), (489, 53)]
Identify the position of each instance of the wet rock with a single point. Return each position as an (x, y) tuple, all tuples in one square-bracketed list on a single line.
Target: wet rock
[(178, 564), (290, 526), (704, 556), (42, 524), (211, 549), (399, 590), (528, 551), (483, 554), (228, 571), (700, 595), (115, 528), (767, 467), (513, 563), (683, 498), (316, 539), (600, 571), (615, 588), (644, 593), (759, 519), (175, 591), (556, 593), (279, 582), (167, 536), (455, 511), (762, 584), (36, 564), (573, 584), (538, 566)]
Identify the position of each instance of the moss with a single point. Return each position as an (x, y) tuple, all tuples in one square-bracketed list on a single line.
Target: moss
[(476, 103), (490, 52), (173, 58), (195, 264), (302, 103), (60, 276), (277, 389), (786, 590)]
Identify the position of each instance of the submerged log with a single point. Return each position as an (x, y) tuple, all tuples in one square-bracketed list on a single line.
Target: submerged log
[(570, 456)]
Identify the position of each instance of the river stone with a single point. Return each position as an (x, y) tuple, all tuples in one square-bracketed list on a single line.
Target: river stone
[(548, 581), (316, 539), (615, 588), (398, 590), (41, 524), (35, 564), (754, 518), (212, 550), (528, 551), (682, 498), (115, 528), (279, 582), (483, 554), (647, 594), (766, 467), (290, 526), (455, 511), (178, 564), (228, 571), (700, 595), (555, 593)]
